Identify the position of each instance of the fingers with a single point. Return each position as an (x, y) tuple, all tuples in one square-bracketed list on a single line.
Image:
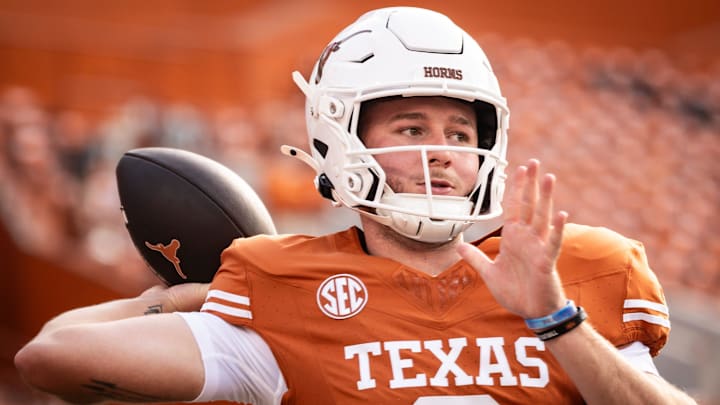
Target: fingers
[(531, 198), (513, 201), (556, 232), (475, 257), (188, 296), (529, 191), (543, 206)]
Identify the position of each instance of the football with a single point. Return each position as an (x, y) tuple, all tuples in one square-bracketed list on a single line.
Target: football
[(183, 209)]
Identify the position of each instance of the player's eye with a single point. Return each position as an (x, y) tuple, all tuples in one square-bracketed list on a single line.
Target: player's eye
[(412, 131), (460, 137)]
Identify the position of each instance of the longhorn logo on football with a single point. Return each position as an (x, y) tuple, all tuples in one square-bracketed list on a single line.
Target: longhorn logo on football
[(342, 296), (169, 252)]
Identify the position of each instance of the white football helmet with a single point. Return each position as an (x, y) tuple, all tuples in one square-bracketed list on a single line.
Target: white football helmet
[(408, 52)]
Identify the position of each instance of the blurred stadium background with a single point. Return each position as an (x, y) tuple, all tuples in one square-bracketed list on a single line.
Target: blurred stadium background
[(621, 100)]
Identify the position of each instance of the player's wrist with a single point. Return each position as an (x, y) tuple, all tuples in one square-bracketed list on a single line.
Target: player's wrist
[(558, 322), (154, 300), (563, 327), (561, 313)]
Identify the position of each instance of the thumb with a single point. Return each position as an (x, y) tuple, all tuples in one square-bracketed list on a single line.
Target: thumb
[(475, 257)]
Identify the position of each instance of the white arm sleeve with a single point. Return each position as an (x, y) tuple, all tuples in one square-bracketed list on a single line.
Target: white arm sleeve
[(639, 355), (239, 365)]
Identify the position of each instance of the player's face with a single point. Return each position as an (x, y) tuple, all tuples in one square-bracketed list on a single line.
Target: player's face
[(424, 121)]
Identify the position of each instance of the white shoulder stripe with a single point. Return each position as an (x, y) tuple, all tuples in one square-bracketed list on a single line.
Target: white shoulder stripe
[(641, 316), (646, 305), (227, 310), (226, 296)]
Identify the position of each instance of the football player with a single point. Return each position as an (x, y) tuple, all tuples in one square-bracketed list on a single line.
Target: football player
[(407, 126)]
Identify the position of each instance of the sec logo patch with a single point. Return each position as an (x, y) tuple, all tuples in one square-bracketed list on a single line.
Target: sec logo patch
[(342, 296)]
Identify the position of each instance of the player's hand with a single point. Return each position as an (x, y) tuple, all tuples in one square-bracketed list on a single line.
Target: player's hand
[(184, 297), (522, 278)]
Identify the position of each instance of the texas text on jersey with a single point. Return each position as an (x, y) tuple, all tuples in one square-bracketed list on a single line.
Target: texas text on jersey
[(343, 324)]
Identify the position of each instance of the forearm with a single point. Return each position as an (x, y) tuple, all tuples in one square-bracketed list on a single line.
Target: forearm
[(603, 376), (112, 351), (187, 297), (107, 311)]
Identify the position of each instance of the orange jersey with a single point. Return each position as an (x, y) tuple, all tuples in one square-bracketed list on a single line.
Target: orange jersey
[(351, 328)]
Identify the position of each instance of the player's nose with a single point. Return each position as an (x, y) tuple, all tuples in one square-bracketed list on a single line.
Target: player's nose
[(438, 157)]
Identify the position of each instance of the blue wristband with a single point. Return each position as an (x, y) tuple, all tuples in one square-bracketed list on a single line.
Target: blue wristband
[(563, 327), (557, 317)]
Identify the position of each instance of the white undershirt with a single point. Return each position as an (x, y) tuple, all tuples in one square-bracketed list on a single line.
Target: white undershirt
[(240, 367)]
